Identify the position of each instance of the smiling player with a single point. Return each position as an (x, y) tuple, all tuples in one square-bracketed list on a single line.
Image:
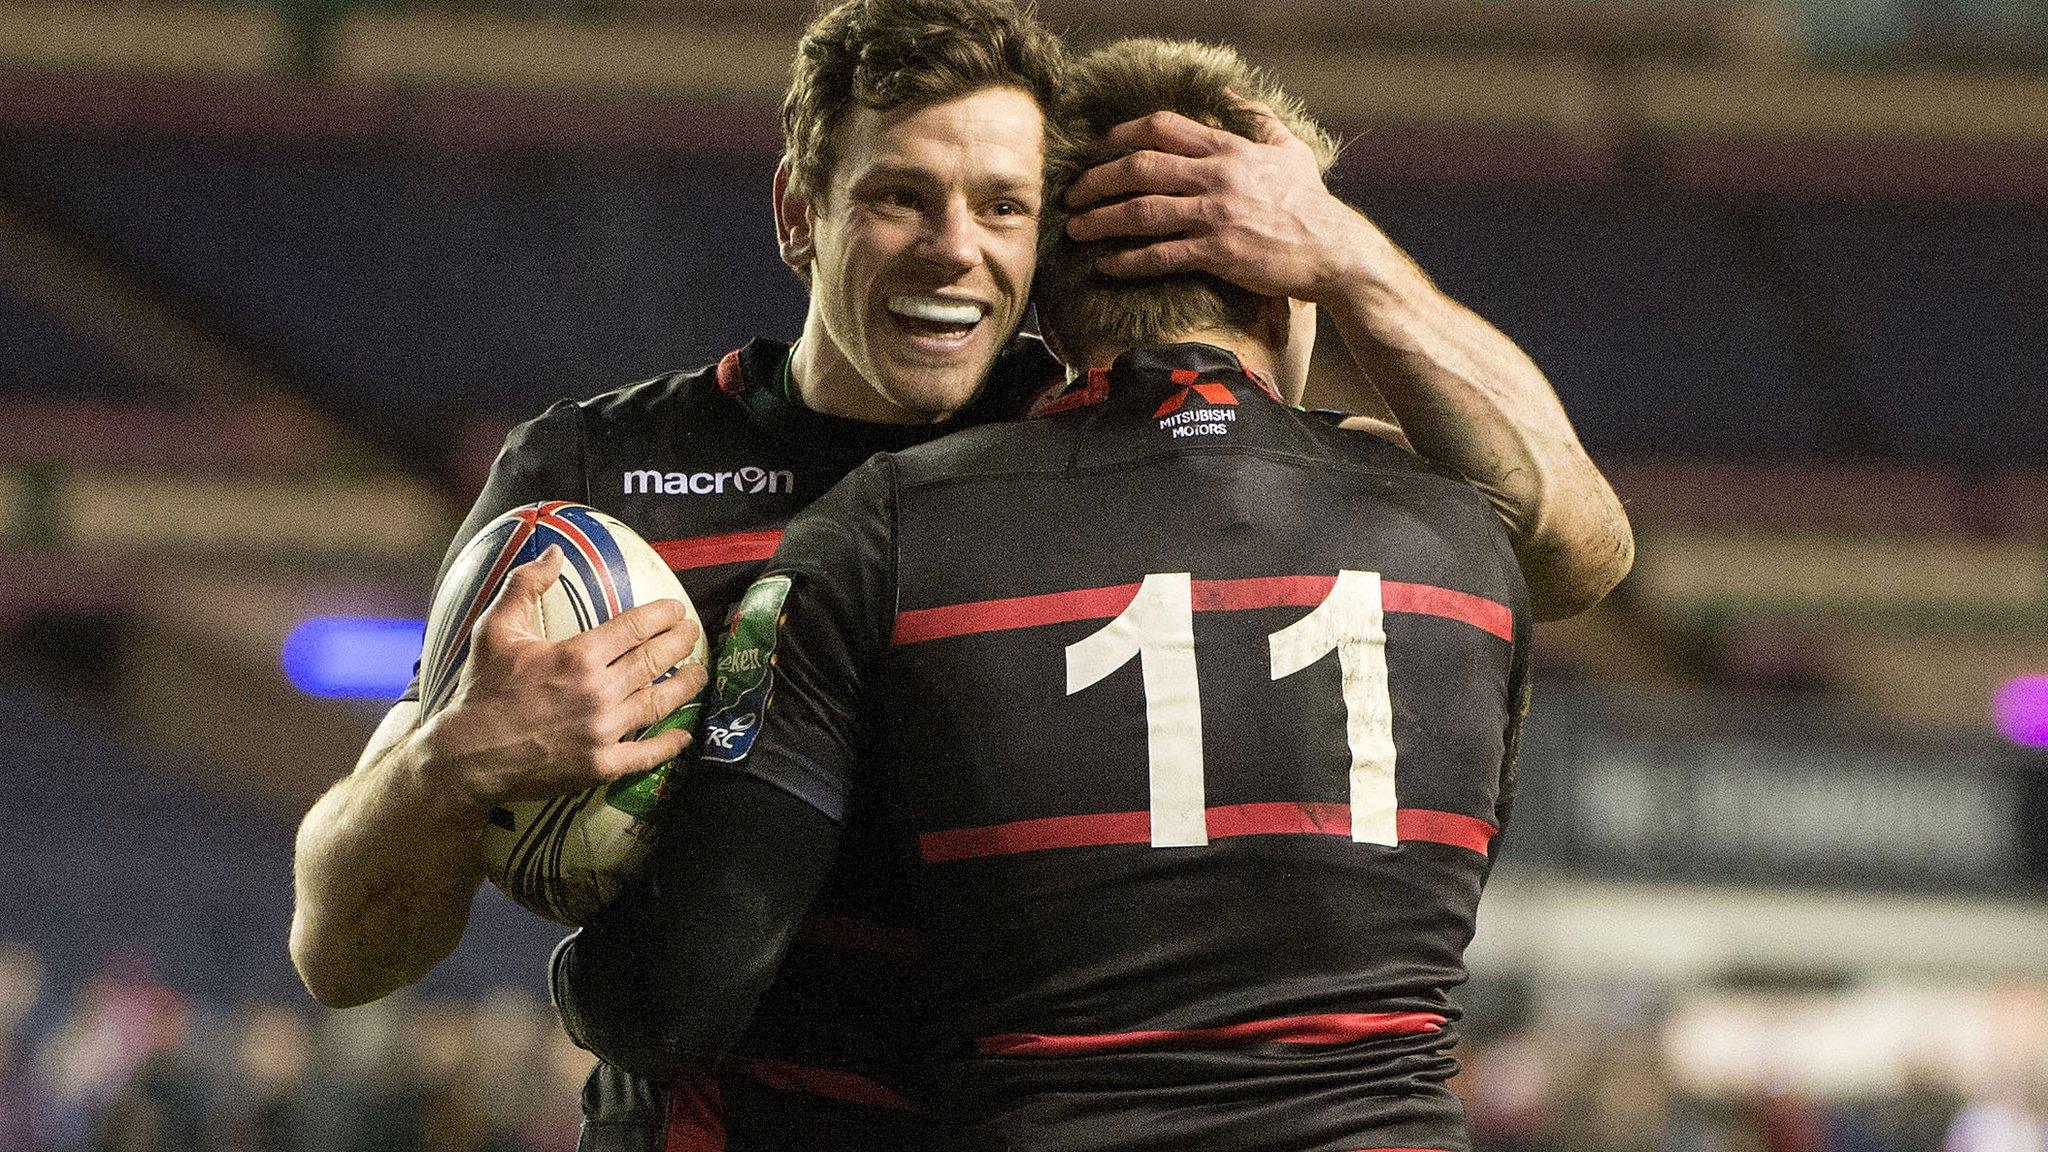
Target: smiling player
[(1152, 918), (912, 296), (909, 200)]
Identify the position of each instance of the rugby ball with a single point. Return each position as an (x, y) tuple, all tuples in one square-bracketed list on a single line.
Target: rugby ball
[(562, 857)]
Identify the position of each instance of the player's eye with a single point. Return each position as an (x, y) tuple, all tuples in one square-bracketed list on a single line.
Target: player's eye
[(899, 197), (1009, 208)]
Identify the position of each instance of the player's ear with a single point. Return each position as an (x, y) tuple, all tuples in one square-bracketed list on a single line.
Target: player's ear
[(792, 221)]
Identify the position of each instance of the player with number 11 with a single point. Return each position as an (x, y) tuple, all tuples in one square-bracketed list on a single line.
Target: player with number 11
[(1177, 792)]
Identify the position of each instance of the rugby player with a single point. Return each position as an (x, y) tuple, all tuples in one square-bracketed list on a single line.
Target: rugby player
[(1189, 788), (914, 147)]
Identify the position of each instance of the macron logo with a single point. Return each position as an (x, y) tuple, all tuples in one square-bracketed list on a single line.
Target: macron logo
[(749, 480)]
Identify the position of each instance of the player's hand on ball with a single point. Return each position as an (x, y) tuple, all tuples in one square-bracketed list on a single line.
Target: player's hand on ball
[(534, 717), (1254, 212)]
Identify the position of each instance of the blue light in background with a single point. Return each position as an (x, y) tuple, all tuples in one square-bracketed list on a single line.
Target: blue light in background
[(2020, 709), (354, 656)]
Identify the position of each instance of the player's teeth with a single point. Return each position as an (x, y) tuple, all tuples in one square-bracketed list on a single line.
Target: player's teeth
[(935, 310)]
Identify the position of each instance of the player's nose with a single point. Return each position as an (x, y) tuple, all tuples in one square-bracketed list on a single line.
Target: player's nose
[(948, 241)]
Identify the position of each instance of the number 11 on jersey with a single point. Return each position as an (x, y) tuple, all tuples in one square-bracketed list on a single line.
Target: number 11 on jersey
[(1158, 628), (1352, 620)]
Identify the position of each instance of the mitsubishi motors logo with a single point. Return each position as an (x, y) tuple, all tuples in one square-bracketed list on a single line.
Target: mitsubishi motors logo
[(1208, 390), (1213, 416)]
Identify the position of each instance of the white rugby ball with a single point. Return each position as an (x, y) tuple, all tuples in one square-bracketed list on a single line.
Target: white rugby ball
[(562, 857)]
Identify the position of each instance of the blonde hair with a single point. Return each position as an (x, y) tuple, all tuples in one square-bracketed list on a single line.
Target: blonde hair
[(1085, 311)]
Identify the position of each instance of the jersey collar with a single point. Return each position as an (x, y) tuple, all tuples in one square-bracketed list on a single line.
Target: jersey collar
[(1166, 374)]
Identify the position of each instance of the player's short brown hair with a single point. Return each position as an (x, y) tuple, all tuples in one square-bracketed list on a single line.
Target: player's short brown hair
[(885, 54), (1085, 311)]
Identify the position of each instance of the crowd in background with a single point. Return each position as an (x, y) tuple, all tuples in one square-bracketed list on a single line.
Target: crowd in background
[(1560, 1090), (125, 1063), (1768, 282)]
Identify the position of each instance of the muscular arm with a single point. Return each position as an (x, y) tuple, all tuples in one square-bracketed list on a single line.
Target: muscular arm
[(384, 869), (387, 862), (1257, 213), (1466, 396)]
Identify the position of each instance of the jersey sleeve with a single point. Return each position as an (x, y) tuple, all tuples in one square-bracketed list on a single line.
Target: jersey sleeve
[(542, 460), (663, 980), (789, 682)]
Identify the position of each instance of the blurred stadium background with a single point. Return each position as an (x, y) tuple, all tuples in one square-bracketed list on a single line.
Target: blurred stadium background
[(276, 277)]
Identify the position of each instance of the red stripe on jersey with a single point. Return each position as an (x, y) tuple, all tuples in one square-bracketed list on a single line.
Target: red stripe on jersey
[(825, 1083), (1444, 828), (1279, 820), (921, 624), (1046, 394), (1094, 390), (1036, 835), (710, 551), (1273, 819), (1333, 1028), (696, 1117), (731, 380), (1429, 600)]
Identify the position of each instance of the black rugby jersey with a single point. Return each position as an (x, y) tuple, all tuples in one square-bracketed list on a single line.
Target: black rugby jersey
[(1192, 718), (708, 466)]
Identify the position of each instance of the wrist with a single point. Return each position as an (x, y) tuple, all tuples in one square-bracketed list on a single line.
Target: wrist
[(442, 774), (1360, 264)]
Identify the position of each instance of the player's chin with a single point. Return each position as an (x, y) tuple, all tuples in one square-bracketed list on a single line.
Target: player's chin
[(936, 393), (938, 389)]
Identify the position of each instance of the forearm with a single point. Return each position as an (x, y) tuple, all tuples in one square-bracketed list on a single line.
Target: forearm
[(1467, 397), (665, 980), (384, 870), (1256, 212)]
